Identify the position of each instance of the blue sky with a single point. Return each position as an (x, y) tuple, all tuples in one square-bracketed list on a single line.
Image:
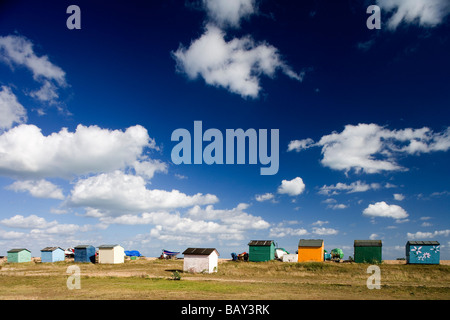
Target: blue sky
[(86, 118)]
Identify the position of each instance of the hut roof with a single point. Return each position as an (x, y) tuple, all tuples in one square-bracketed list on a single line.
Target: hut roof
[(367, 243), (108, 246), (18, 250), (83, 246), (51, 249), (310, 243), (200, 251), (260, 242), (433, 243)]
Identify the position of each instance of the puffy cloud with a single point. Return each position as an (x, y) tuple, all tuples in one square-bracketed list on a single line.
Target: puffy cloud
[(325, 231), (117, 193), (353, 187), (26, 153), (148, 168), (337, 206), (299, 145), (264, 197), (427, 235), (236, 65), (426, 13), (38, 188), (372, 149), (228, 13), (399, 196), (382, 209), (11, 235), (292, 187), (30, 222), (279, 232), (11, 111)]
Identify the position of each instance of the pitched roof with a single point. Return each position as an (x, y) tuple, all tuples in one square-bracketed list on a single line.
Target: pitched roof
[(83, 246), (108, 246), (200, 251), (434, 243), (18, 250), (310, 243), (260, 242), (367, 243), (51, 249)]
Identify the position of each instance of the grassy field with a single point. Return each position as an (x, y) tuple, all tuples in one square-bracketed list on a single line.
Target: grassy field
[(273, 280)]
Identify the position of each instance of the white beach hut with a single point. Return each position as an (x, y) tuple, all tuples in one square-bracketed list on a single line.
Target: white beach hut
[(111, 254), (200, 260)]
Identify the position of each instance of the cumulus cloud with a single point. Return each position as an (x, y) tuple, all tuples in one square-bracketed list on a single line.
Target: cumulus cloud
[(279, 232), (236, 65), (425, 13), (427, 235), (399, 196), (11, 111), (292, 187), (229, 13), (357, 186), (324, 231), (264, 197), (371, 148), (117, 193), (38, 188), (299, 145), (30, 222), (18, 51), (26, 153), (382, 209)]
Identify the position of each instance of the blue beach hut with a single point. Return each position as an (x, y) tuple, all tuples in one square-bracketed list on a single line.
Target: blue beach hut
[(84, 253), (422, 252), (52, 254)]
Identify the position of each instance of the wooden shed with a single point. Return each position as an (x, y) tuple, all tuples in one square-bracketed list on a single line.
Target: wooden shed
[(367, 251), (422, 252), (310, 250), (19, 255), (261, 250), (111, 254), (84, 253), (52, 254), (200, 260)]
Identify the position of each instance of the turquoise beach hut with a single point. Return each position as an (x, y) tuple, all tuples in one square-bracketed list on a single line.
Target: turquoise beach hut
[(422, 252), (19, 255)]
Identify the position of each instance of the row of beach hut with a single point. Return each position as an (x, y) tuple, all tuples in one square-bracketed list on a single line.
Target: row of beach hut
[(107, 254)]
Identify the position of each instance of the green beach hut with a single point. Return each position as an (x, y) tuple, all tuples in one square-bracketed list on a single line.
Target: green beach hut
[(261, 250), (367, 251), (19, 255)]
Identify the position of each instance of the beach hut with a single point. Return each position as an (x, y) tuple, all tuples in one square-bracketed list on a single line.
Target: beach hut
[(310, 250), (261, 250), (84, 253), (52, 254), (422, 252), (19, 255), (111, 254), (367, 251), (200, 260)]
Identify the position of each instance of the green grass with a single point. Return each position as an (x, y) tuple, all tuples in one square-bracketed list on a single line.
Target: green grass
[(153, 279)]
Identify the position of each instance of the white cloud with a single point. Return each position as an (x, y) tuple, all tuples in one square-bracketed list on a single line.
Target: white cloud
[(357, 186), (371, 148), (279, 232), (11, 111), (148, 168), (264, 197), (27, 153), (18, 51), (228, 13), (427, 235), (426, 13), (324, 231), (38, 188), (11, 235), (292, 187), (399, 196), (319, 223), (117, 193), (30, 222), (337, 206), (299, 145), (382, 209), (236, 65), (374, 236)]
